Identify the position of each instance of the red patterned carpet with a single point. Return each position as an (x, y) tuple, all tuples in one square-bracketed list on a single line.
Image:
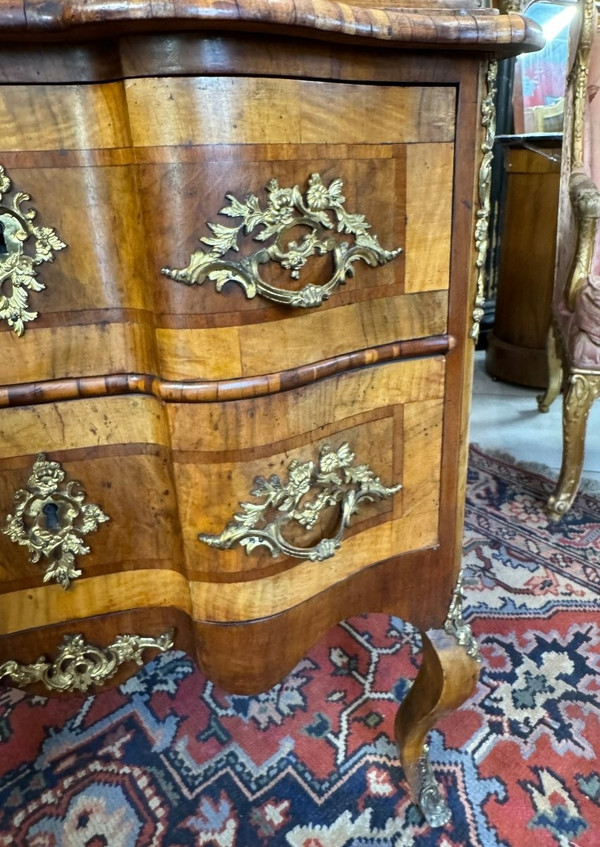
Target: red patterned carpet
[(167, 759)]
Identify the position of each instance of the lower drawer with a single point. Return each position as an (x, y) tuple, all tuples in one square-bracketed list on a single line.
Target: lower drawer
[(136, 501), (390, 418)]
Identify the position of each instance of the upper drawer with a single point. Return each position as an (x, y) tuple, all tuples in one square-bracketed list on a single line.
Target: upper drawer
[(132, 195)]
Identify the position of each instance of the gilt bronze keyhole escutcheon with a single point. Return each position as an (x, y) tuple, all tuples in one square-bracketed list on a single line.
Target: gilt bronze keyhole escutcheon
[(51, 518)]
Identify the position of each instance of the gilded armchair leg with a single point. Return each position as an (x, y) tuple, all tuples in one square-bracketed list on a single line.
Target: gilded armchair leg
[(582, 391), (447, 677), (555, 372)]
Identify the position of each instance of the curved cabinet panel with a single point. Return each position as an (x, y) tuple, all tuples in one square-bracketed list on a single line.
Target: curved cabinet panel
[(50, 519), (319, 211), (140, 194)]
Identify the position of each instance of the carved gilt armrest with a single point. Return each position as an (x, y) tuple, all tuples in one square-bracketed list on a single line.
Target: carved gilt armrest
[(585, 201)]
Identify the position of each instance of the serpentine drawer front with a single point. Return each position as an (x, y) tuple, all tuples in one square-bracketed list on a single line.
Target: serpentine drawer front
[(239, 263)]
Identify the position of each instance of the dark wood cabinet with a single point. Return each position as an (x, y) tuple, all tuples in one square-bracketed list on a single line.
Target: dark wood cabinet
[(516, 350)]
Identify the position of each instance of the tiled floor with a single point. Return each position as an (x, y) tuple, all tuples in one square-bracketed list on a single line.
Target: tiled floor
[(505, 417)]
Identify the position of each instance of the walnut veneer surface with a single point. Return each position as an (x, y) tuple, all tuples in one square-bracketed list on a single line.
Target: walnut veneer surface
[(163, 398)]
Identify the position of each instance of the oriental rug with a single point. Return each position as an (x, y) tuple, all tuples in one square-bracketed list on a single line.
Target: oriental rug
[(168, 759)]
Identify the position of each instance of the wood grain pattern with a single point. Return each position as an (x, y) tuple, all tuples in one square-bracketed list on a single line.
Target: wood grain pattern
[(39, 607), (447, 677), (433, 27), (112, 205), (105, 264), (130, 123), (223, 649), (243, 601), (44, 117), (516, 350), (366, 409), (100, 631), (77, 351), (57, 427), (463, 273), (142, 531), (109, 481), (222, 110), (374, 186), (179, 396), (429, 178), (335, 400), (287, 343), (209, 53), (411, 524), (224, 484)]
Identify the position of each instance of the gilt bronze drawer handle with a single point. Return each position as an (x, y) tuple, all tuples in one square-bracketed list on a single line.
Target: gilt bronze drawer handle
[(80, 665), (287, 209), (307, 492), (17, 268), (50, 519)]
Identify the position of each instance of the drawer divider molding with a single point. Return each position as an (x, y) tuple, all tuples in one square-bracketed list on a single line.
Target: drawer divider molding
[(209, 391)]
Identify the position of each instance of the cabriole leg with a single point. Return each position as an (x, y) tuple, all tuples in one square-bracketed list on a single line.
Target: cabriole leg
[(447, 677), (555, 373), (581, 393)]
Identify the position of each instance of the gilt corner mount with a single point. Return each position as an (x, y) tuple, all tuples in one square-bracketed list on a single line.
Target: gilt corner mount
[(287, 209), (18, 276), (482, 218)]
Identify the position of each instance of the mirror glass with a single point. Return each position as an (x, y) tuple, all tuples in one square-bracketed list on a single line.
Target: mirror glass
[(540, 78)]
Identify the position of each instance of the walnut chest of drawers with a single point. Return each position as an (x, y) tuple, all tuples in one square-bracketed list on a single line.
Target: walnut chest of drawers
[(239, 256)]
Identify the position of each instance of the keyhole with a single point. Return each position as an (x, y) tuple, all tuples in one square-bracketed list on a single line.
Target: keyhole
[(3, 245), (50, 511)]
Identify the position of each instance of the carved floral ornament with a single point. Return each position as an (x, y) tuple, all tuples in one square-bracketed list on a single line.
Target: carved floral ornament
[(23, 246), (50, 519), (310, 488), (320, 211)]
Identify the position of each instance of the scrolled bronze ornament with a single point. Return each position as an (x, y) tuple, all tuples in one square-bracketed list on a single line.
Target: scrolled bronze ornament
[(320, 210), (309, 489), (482, 218), (79, 665), (50, 519), (435, 809), (456, 626), (17, 264)]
